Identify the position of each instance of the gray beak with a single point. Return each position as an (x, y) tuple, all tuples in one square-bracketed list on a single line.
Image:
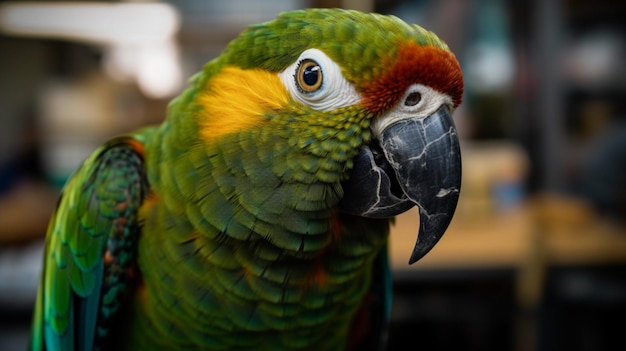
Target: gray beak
[(414, 161)]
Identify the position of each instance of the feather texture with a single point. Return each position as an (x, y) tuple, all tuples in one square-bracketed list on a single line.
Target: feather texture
[(90, 249), (221, 228)]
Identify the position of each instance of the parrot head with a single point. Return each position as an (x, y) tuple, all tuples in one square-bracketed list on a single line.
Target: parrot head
[(361, 103)]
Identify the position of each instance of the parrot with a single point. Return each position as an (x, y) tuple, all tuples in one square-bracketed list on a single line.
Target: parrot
[(257, 214)]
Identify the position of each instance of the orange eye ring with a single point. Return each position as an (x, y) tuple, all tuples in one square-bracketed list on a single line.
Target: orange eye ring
[(309, 76)]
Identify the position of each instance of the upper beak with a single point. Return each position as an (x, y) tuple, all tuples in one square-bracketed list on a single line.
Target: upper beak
[(414, 161)]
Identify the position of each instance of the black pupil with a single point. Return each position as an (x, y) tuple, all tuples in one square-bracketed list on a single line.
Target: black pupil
[(413, 99), (311, 74)]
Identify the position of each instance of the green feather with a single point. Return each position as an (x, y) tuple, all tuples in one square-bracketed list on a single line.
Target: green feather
[(240, 244)]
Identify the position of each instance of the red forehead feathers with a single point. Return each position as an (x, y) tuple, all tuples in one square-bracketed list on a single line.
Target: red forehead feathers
[(427, 65)]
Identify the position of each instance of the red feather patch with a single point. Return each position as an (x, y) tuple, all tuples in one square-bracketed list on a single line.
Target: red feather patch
[(428, 65)]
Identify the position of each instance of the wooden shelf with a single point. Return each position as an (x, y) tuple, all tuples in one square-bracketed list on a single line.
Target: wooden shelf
[(500, 241), (549, 229)]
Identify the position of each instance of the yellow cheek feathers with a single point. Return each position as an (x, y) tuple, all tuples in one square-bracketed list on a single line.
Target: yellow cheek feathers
[(237, 99)]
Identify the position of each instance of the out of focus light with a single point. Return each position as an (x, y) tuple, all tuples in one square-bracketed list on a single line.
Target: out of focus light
[(154, 67), (489, 61), (138, 38), (595, 59), (490, 67)]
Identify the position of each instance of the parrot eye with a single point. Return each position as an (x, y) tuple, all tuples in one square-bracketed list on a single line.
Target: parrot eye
[(316, 81), (309, 76), (413, 99)]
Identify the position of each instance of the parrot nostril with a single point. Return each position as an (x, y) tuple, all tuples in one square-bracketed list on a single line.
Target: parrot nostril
[(413, 99)]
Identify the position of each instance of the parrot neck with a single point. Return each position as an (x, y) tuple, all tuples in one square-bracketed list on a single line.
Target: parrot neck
[(264, 189)]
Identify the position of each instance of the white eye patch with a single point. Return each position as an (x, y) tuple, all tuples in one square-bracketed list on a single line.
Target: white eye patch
[(316, 80), (418, 101)]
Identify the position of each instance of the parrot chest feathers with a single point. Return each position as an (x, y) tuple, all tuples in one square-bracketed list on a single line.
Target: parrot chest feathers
[(205, 288), (253, 245)]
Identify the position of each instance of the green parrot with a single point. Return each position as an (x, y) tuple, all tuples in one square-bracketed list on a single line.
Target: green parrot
[(257, 215)]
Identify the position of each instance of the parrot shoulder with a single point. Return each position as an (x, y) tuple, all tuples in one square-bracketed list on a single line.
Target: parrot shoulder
[(90, 248)]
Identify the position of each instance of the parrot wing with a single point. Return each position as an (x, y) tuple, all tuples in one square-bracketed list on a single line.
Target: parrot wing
[(90, 250)]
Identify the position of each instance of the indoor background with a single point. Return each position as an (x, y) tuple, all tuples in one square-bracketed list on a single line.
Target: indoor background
[(535, 257)]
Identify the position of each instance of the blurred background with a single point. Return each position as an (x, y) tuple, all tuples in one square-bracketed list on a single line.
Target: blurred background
[(535, 257)]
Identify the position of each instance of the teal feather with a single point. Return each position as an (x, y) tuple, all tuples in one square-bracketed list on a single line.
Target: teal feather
[(80, 291)]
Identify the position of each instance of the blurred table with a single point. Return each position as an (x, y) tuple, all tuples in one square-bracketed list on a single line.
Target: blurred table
[(25, 211), (543, 232), (549, 228), (497, 241)]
